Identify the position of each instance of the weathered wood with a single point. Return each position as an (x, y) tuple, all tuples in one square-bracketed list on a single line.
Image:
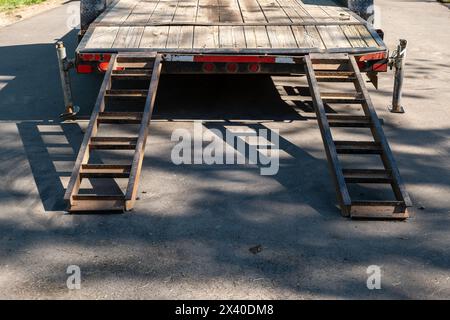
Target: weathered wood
[(256, 37), (213, 25), (379, 210), (389, 174), (378, 133), (91, 142), (232, 37), (105, 171), (91, 131), (353, 36), (281, 37), (330, 148), (154, 37), (180, 37), (120, 117), (130, 195), (251, 11), (206, 37)]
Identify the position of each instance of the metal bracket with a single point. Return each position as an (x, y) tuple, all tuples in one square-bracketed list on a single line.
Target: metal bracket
[(65, 65), (397, 62)]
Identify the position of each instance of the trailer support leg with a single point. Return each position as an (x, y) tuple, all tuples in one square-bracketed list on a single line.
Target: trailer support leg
[(398, 63), (64, 67)]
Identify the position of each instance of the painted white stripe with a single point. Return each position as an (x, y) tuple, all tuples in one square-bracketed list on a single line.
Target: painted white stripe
[(179, 58), (288, 60)]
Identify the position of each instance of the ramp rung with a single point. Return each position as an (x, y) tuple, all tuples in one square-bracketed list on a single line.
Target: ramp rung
[(358, 147), (336, 73), (350, 98), (335, 79), (93, 202), (105, 171), (127, 93), (379, 210), (132, 72), (120, 117), (349, 121), (339, 68), (367, 176), (127, 66), (113, 143)]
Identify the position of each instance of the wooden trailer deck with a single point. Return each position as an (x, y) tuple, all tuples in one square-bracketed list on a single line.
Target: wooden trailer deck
[(230, 26)]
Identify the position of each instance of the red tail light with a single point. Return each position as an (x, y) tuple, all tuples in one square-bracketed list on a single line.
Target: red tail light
[(84, 68), (254, 67), (232, 67), (103, 66), (209, 67)]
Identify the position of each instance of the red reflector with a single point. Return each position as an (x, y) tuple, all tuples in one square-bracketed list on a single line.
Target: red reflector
[(84, 68), (373, 56), (94, 57), (86, 57), (103, 66), (254, 67), (232, 67), (208, 67), (380, 67), (240, 59)]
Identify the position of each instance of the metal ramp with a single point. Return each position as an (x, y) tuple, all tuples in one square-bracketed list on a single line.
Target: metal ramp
[(134, 69), (340, 68)]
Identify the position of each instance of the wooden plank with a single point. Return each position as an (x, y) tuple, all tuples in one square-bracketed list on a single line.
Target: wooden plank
[(338, 14), (333, 37), (229, 11), (318, 14), (307, 37), (281, 37), (180, 37), (97, 203), (256, 37), (251, 11), (102, 37), (186, 11), (206, 37), (91, 131), (366, 36), (354, 37), (154, 37), (330, 148), (378, 133), (134, 37), (121, 37), (119, 12), (131, 192), (303, 13), (208, 11), (142, 12), (379, 210), (291, 10), (164, 11), (273, 11), (232, 37)]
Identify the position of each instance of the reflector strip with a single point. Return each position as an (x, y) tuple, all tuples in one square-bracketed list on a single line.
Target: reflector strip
[(238, 59), (84, 68), (372, 56)]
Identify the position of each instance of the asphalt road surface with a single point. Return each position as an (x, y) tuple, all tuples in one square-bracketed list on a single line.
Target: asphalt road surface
[(190, 233)]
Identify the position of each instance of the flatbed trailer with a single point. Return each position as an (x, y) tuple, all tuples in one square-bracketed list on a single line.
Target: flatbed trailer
[(134, 41), (195, 28)]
